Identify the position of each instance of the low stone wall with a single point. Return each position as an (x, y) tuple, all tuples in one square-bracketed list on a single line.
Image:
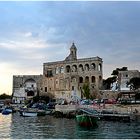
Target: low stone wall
[(65, 108), (116, 107), (108, 94)]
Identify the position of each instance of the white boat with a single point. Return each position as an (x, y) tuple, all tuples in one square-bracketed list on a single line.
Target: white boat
[(29, 114)]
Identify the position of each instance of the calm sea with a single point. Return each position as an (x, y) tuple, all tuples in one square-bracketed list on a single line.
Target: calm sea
[(14, 126)]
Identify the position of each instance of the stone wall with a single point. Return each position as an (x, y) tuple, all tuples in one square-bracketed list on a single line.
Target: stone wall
[(108, 94)]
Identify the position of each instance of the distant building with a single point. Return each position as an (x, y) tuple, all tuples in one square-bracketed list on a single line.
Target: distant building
[(65, 78), (124, 77), (61, 79), (25, 87)]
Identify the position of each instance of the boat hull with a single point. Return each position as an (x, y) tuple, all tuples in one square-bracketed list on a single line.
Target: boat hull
[(29, 114), (6, 111), (86, 120), (41, 113)]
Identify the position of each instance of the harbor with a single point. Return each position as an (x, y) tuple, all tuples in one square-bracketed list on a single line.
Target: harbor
[(69, 70), (49, 127)]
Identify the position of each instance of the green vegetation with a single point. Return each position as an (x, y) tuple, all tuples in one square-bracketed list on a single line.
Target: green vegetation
[(86, 90), (5, 96), (107, 83), (134, 83), (116, 71)]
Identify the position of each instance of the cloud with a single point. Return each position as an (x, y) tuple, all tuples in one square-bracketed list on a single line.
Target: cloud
[(33, 33), (28, 34)]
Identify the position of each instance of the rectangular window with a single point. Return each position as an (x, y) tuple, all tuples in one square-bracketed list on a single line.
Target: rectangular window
[(45, 89), (72, 87)]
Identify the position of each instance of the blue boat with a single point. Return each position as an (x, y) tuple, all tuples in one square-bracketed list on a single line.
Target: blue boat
[(7, 111)]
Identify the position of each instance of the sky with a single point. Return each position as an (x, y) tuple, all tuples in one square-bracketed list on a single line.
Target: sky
[(35, 32)]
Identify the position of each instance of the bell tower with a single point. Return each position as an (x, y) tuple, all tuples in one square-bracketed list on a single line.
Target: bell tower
[(73, 52)]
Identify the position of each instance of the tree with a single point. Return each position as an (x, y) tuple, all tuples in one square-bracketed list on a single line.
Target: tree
[(116, 72), (107, 83), (86, 90), (5, 96), (134, 83)]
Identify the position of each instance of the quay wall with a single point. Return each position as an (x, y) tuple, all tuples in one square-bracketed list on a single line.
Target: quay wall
[(109, 94), (113, 107), (65, 108)]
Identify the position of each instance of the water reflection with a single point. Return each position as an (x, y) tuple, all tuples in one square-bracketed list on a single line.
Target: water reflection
[(43, 127), (4, 126)]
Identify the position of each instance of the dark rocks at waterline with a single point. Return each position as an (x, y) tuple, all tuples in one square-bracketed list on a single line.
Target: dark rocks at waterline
[(57, 114), (69, 115)]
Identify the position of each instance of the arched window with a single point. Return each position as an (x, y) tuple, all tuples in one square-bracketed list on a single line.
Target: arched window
[(99, 67), (73, 80), (100, 78), (81, 67), (93, 66), (30, 93), (87, 67), (67, 68), (80, 79), (57, 70), (74, 68), (93, 79), (62, 69), (86, 79)]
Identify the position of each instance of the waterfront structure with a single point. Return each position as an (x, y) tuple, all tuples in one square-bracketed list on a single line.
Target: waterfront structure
[(124, 77), (61, 79), (25, 87), (65, 79)]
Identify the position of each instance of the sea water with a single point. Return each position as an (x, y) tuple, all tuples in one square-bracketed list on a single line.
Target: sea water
[(14, 126)]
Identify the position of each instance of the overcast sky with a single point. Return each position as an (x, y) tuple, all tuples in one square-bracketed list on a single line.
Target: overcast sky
[(35, 32)]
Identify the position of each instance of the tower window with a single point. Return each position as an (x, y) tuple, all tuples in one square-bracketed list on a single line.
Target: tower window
[(72, 87), (45, 89)]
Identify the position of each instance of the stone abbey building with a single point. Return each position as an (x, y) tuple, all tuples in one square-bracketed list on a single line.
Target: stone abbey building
[(63, 79)]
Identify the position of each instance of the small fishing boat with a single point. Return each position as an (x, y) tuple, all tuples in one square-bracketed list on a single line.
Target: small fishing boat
[(41, 112), (29, 114), (87, 120), (7, 110), (32, 112)]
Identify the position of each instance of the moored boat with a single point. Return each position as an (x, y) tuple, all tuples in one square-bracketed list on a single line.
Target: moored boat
[(29, 114), (87, 120), (41, 112), (6, 110)]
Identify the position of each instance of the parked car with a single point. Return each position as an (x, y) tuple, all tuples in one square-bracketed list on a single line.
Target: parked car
[(86, 102), (110, 101), (96, 101)]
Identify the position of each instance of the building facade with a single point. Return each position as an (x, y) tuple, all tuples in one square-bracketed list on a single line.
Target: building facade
[(124, 77), (65, 79), (25, 87), (61, 79)]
